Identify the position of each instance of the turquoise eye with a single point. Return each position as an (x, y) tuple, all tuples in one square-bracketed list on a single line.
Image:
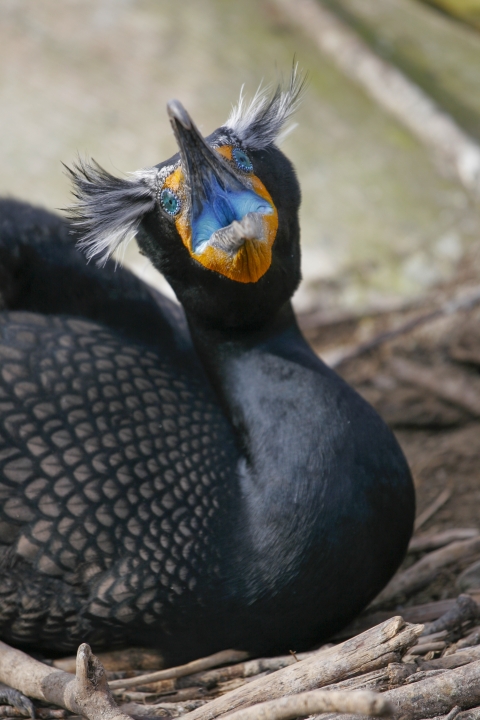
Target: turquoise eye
[(243, 161), (170, 202)]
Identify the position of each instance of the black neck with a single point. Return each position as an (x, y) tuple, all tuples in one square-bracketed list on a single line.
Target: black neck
[(226, 352), (310, 467), (270, 381)]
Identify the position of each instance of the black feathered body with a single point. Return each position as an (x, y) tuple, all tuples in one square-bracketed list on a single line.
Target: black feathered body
[(152, 498), (116, 473)]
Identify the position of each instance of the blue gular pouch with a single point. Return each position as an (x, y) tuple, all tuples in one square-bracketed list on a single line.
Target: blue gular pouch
[(223, 202)]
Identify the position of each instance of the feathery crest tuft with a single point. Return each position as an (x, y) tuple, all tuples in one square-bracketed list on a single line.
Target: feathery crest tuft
[(109, 209), (259, 123)]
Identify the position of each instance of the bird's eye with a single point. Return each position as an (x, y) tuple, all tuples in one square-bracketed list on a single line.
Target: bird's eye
[(242, 160), (170, 202)]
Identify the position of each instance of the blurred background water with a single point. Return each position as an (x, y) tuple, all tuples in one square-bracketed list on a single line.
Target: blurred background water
[(381, 219)]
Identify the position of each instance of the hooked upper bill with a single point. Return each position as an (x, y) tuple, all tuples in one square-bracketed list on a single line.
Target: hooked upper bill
[(223, 213)]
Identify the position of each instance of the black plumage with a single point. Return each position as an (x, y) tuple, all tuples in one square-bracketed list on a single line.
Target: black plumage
[(188, 481)]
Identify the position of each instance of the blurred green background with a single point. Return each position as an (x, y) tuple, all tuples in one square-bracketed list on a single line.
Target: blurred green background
[(381, 220)]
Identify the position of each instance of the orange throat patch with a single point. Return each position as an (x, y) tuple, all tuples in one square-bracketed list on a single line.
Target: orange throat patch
[(253, 258)]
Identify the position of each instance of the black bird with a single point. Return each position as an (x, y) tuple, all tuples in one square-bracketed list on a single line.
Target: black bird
[(186, 479)]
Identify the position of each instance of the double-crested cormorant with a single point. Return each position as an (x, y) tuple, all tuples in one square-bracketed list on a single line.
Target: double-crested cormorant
[(186, 479)]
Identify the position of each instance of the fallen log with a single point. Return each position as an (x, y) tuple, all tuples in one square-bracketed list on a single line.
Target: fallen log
[(85, 693), (371, 650)]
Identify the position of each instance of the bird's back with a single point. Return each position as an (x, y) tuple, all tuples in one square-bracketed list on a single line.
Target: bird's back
[(118, 485), (116, 468)]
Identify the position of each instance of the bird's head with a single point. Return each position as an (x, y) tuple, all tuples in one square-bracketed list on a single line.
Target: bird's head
[(219, 219)]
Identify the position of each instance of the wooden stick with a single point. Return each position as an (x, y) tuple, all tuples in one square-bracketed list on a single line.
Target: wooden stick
[(128, 659), (371, 650), (453, 713), (425, 570), (452, 305), (430, 511), (386, 678), (40, 713), (221, 658), (465, 609), (428, 542), (16, 699), (210, 678), (433, 637), (424, 648), (376, 680), (85, 693), (435, 695), (471, 714), (447, 383), (363, 702), (426, 612), (448, 662), (470, 640)]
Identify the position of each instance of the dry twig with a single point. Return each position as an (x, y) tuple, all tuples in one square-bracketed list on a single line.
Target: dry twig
[(437, 695), (429, 542), (128, 659), (447, 383), (221, 658), (369, 651), (448, 662), (363, 702), (465, 609), (247, 669), (85, 693), (423, 613), (422, 572), (434, 695), (470, 640), (463, 302), (430, 511)]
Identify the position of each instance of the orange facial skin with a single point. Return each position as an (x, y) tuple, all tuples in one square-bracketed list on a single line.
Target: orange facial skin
[(253, 258)]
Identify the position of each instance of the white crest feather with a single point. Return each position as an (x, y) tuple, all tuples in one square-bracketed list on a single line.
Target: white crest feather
[(109, 209), (258, 124)]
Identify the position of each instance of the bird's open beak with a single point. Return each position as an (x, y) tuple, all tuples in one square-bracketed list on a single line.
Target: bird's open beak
[(229, 222), (202, 166), (224, 211)]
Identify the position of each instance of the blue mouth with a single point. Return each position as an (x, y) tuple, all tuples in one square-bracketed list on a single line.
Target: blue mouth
[(221, 208)]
